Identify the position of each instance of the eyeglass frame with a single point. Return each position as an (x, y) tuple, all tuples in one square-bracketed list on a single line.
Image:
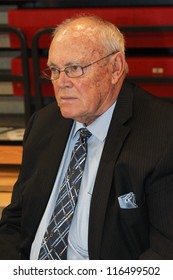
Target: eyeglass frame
[(65, 69)]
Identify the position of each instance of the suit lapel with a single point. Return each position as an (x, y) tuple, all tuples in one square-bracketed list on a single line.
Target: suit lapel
[(55, 151), (49, 164), (116, 136)]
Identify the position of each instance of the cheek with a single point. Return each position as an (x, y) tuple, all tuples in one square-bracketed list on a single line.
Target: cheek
[(100, 87), (102, 79), (91, 94), (55, 88)]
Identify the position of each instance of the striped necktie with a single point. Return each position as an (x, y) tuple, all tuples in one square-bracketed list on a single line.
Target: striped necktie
[(55, 241)]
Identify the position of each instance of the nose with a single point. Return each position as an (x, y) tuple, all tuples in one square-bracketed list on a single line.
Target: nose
[(63, 80)]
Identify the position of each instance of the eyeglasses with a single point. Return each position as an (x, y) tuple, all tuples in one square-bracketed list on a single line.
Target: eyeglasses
[(72, 71)]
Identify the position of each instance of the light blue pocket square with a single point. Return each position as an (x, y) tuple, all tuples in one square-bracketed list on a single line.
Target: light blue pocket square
[(127, 201)]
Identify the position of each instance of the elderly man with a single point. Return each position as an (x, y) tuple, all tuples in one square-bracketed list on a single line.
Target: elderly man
[(113, 198)]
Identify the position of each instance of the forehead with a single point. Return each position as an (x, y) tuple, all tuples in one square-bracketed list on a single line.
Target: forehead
[(79, 28), (77, 39)]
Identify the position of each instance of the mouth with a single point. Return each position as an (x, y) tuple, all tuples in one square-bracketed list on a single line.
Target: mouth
[(67, 100)]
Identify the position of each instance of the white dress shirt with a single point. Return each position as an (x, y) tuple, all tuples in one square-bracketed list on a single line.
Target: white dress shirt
[(78, 234)]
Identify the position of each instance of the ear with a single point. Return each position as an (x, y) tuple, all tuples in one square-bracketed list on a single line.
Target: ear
[(118, 66)]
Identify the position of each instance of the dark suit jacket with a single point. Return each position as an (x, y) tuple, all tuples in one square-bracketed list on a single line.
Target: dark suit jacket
[(137, 157)]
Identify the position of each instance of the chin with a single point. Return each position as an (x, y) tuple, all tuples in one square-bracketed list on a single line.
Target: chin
[(67, 114)]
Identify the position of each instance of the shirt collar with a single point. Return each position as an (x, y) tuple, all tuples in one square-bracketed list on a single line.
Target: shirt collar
[(99, 127)]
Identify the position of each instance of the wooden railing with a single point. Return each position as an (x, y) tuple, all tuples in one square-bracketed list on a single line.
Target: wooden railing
[(10, 160)]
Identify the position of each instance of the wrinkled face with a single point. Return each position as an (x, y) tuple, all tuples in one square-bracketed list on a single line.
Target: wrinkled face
[(86, 97)]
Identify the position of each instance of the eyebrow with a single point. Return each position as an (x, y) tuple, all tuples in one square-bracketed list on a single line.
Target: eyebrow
[(66, 65), (50, 64)]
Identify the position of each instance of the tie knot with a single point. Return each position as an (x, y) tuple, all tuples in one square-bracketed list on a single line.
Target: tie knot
[(84, 134)]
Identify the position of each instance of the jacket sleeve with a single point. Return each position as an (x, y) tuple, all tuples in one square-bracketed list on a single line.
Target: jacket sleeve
[(159, 197)]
